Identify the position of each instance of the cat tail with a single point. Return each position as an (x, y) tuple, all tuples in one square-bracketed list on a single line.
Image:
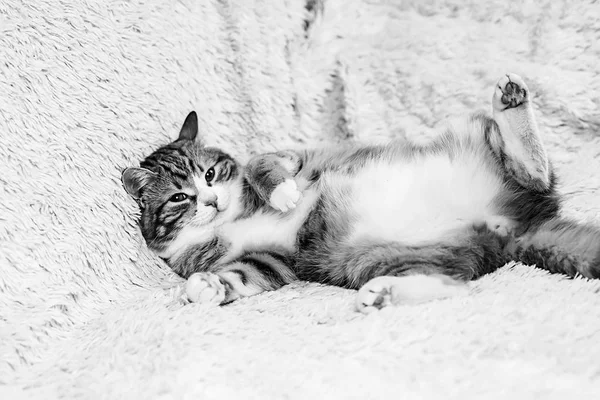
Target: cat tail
[(560, 246)]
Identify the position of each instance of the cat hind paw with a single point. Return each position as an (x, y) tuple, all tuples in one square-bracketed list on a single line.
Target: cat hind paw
[(511, 91), (385, 291)]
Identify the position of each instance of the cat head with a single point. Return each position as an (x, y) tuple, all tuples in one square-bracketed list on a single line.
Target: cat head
[(184, 190)]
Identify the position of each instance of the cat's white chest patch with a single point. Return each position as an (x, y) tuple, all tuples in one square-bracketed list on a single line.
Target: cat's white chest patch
[(268, 229), (422, 200)]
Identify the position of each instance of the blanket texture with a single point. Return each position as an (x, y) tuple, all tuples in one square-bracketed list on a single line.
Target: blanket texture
[(90, 87)]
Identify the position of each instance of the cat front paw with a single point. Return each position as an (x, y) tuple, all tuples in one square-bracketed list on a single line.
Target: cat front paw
[(385, 291), (285, 196), (511, 91), (205, 288)]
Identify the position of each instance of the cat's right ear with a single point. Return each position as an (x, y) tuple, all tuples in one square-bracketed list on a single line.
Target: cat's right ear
[(134, 179), (189, 130)]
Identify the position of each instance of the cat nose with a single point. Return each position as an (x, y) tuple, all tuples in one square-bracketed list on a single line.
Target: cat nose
[(208, 199), (211, 203)]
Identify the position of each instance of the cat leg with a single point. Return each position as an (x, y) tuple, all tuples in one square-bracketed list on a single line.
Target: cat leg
[(213, 289), (218, 289), (390, 273), (384, 291), (518, 143), (272, 177), (410, 275), (407, 275), (249, 275)]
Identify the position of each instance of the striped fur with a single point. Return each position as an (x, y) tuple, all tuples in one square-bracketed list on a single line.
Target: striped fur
[(371, 217), (195, 208)]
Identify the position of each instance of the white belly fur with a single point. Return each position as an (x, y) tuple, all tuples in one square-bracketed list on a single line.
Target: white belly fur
[(420, 201)]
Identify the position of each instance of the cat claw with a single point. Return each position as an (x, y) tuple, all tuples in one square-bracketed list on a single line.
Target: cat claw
[(205, 288), (385, 291), (285, 196), (511, 91)]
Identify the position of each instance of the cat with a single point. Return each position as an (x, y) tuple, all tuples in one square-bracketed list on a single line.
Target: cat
[(400, 222)]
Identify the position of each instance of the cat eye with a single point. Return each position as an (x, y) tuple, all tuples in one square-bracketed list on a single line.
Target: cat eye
[(210, 175), (178, 197)]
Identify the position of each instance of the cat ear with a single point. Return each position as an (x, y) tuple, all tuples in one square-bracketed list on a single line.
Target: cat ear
[(134, 179), (189, 130)]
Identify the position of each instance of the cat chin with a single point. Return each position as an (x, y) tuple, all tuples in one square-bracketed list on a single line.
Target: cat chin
[(213, 217)]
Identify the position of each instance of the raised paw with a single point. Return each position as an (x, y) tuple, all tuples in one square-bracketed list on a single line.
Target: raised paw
[(511, 91), (205, 288), (285, 196), (384, 291)]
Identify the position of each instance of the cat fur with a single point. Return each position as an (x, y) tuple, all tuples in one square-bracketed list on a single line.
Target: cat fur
[(378, 218)]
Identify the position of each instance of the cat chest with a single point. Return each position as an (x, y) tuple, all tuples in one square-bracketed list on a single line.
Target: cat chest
[(268, 229)]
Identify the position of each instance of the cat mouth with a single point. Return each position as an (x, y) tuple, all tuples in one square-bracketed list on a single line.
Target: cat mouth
[(208, 215)]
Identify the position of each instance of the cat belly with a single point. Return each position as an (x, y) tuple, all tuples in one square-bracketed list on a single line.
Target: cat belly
[(424, 200)]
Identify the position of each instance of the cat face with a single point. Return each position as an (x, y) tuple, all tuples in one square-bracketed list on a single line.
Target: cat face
[(184, 191)]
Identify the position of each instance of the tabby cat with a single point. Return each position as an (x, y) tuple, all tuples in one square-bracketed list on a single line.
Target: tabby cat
[(400, 222)]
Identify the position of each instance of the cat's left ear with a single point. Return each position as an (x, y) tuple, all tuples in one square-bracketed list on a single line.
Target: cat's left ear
[(134, 180), (189, 130)]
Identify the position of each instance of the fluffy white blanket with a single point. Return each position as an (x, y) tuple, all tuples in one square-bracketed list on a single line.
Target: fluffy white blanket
[(89, 87)]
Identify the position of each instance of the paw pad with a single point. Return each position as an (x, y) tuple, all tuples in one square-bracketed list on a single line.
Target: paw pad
[(511, 92), (513, 95)]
